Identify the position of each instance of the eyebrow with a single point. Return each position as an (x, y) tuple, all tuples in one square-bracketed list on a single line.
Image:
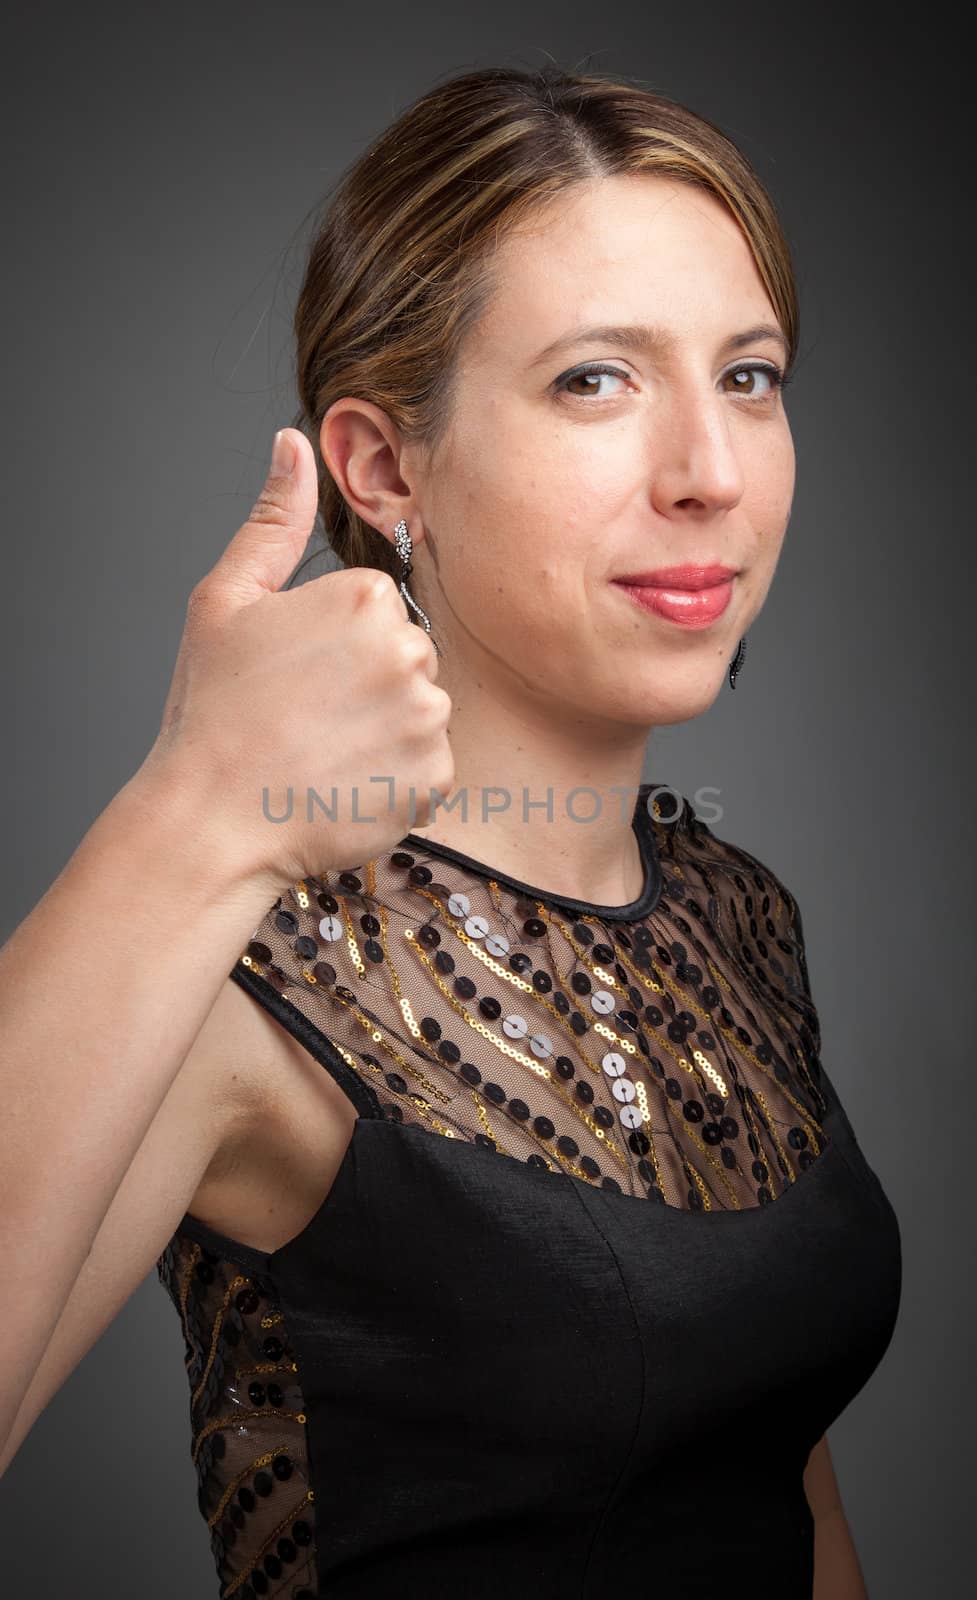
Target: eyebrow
[(652, 340)]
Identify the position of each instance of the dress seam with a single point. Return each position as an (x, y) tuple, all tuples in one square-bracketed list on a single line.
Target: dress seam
[(602, 1514)]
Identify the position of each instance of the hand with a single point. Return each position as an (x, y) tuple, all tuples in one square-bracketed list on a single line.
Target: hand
[(316, 688)]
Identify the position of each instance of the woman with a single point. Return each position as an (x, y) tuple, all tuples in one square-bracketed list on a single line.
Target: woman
[(434, 1340)]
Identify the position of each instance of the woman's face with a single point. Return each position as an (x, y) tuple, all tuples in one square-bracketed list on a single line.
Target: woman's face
[(549, 483)]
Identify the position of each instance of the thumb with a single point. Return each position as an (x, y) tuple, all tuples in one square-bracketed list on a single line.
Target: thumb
[(266, 549)]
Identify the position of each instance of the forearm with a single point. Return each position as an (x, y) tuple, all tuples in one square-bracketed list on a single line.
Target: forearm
[(103, 989), (837, 1573)]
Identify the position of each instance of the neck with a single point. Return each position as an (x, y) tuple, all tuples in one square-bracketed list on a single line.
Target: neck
[(546, 799)]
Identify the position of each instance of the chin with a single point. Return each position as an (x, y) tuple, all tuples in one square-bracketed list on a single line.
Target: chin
[(680, 695), (659, 708), (664, 716)]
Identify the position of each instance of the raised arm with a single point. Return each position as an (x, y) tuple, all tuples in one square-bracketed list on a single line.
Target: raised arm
[(106, 984), (103, 989)]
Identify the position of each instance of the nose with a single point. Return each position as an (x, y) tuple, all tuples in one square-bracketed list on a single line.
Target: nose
[(696, 466)]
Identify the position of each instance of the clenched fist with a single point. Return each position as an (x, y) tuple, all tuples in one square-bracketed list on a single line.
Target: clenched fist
[(313, 689)]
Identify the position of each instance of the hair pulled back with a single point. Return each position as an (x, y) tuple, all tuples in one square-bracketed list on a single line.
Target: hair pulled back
[(401, 262)]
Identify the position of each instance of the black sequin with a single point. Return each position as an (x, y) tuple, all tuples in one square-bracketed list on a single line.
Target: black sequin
[(503, 1041)]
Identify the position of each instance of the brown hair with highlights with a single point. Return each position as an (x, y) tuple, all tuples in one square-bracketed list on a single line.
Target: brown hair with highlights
[(401, 263)]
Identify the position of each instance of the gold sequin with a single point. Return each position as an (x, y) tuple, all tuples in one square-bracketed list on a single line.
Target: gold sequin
[(691, 1078), (708, 1076)]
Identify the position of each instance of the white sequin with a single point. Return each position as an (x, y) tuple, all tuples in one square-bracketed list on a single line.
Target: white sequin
[(614, 1064), (331, 928), (476, 927), (602, 1001), (497, 944), (515, 1026), (459, 905), (541, 1045), (630, 1116), (623, 1089)]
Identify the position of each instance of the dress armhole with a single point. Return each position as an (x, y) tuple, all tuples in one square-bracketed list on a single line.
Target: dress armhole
[(295, 1022)]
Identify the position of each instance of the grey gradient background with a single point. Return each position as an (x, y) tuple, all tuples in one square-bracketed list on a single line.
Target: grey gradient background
[(159, 166)]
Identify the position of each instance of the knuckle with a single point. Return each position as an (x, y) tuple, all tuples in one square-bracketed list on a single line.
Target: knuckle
[(423, 649), (268, 509), (409, 652), (382, 582), (201, 599), (368, 583), (426, 720), (443, 780), (430, 659), (438, 706)]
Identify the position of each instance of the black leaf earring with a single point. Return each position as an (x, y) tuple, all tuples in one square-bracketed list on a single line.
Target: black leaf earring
[(737, 662), (405, 547)]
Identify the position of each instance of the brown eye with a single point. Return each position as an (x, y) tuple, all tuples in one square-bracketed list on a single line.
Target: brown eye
[(745, 381), (588, 377)]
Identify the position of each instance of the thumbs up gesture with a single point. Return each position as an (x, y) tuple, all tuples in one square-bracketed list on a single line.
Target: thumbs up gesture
[(302, 692)]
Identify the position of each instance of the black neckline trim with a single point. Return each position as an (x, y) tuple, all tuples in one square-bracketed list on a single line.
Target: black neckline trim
[(646, 902)]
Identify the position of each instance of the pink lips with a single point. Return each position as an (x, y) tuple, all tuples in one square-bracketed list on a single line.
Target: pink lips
[(693, 596)]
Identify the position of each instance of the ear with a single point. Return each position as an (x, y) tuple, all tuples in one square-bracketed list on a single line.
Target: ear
[(364, 453)]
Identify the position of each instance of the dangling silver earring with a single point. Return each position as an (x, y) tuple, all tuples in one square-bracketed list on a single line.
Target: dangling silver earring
[(737, 662), (405, 547)]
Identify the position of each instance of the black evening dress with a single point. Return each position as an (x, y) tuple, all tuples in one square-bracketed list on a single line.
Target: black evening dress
[(602, 1262)]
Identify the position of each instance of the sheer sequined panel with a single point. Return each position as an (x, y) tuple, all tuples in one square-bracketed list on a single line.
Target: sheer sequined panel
[(247, 1424), (672, 1058)]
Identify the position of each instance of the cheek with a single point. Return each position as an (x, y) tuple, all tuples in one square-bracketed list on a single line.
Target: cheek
[(528, 463), (770, 491), (769, 506), (782, 467), (517, 509)]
